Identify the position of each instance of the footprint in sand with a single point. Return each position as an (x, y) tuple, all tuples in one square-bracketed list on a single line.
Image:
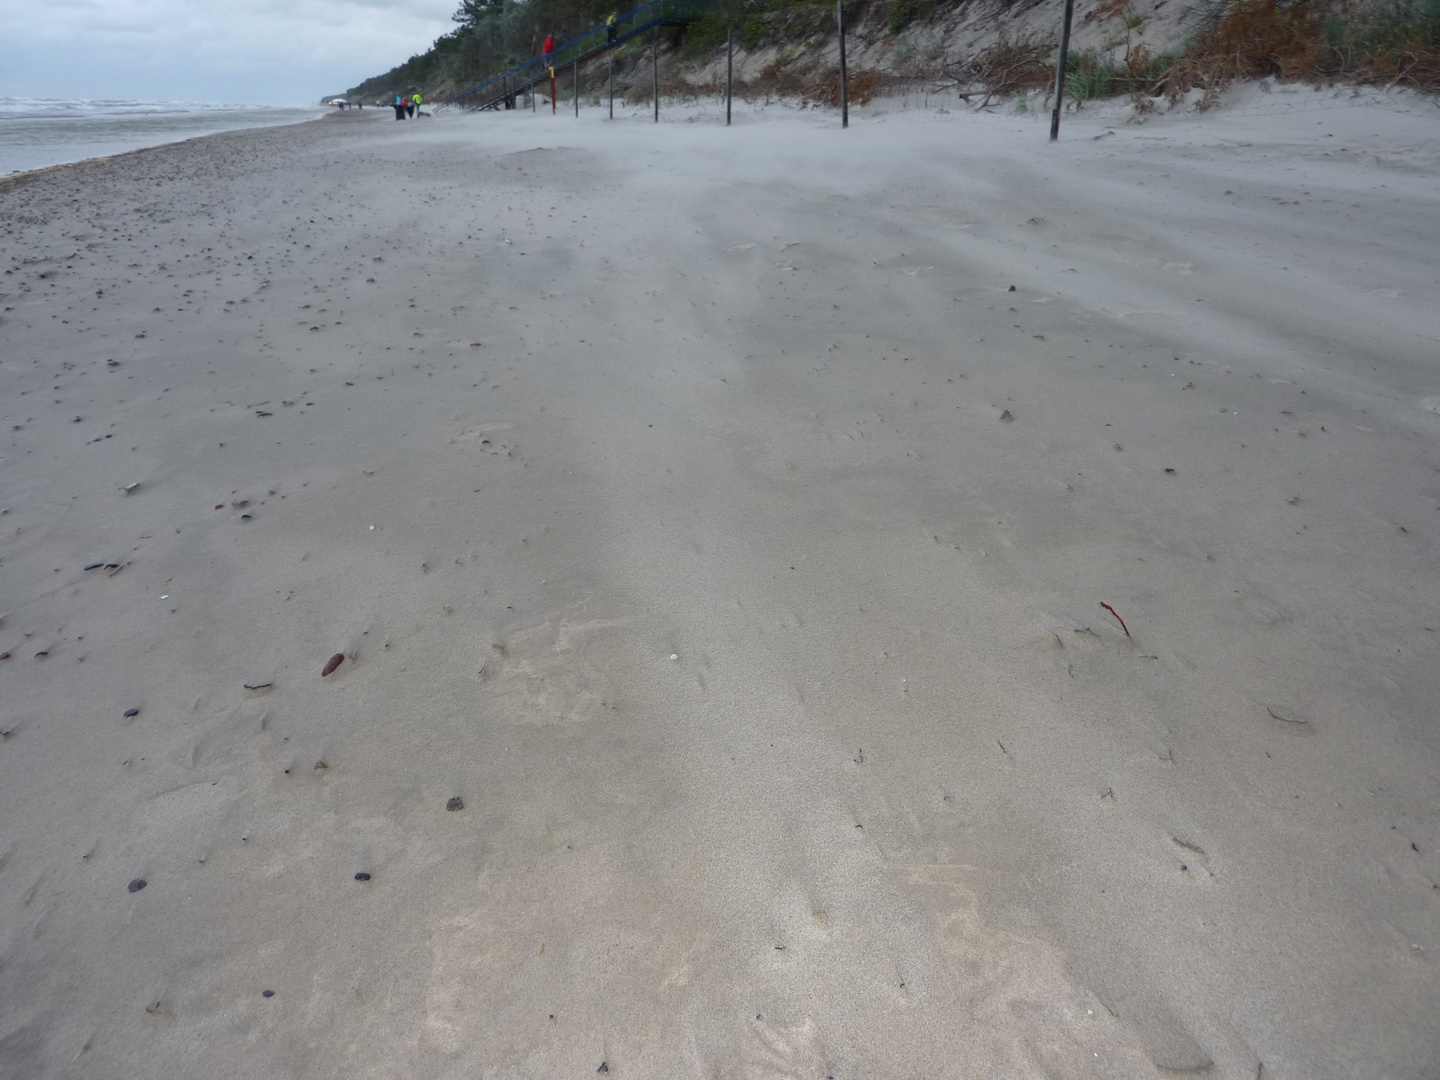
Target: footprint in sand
[(559, 669)]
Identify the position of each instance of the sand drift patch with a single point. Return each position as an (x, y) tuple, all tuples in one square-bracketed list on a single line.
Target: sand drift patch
[(560, 669)]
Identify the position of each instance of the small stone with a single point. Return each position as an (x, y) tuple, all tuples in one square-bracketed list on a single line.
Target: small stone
[(1006, 416), (267, 993), (455, 803), (136, 885), (362, 876), (131, 712)]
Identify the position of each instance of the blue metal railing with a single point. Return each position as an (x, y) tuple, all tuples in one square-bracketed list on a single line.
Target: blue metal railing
[(520, 78)]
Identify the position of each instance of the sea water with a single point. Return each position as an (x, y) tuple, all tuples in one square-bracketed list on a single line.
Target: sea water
[(36, 132)]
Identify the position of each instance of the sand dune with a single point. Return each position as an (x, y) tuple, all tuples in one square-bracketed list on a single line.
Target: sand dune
[(722, 523)]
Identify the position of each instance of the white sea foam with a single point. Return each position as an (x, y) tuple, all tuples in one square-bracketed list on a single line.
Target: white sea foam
[(36, 132)]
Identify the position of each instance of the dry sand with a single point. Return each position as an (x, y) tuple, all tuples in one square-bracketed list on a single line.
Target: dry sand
[(725, 517)]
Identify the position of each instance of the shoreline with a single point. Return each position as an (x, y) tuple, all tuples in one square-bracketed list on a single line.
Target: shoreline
[(166, 139), (720, 532)]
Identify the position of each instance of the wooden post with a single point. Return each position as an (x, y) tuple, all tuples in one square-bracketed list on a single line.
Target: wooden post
[(1060, 69), (844, 88), (575, 85), (610, 78), (552, 89), (729, 72), (655, 71)]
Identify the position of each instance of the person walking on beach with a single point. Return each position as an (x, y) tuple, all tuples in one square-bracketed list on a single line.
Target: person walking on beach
[(610, 28), (416, 102), (547, 50), (399, 107), (409, 107)]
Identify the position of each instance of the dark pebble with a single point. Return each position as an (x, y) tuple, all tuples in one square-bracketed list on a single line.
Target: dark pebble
[(138, 884), (132, 712), (362, 876), (267, 993), (455, 803), (331, 664)]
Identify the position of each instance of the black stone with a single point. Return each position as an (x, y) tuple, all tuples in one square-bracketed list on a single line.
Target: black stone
[(131, 712), (455, 803), (362, 876), (138, 884), (267, 993)]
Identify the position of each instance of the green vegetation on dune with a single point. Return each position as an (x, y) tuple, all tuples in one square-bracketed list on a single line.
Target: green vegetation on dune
[(491, 35), (1387, 42)]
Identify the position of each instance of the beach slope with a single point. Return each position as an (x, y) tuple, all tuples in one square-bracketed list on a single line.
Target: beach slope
[(906, 601)]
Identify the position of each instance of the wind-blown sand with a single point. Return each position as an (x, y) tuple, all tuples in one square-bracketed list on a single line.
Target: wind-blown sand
[(725, 518)]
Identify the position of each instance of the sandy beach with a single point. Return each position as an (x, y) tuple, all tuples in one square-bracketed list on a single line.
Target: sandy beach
[(905, 602)]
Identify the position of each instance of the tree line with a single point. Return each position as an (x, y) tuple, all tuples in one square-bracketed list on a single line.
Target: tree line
[(491, 35)]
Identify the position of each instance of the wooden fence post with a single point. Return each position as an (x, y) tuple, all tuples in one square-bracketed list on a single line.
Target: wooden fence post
[(1060, 69), (729, 72)]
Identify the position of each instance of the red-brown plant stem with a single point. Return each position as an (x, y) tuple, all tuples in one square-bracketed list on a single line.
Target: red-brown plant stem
[(1112, 611)]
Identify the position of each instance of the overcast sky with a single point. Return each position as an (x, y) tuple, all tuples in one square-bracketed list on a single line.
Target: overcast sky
[(272, 52)]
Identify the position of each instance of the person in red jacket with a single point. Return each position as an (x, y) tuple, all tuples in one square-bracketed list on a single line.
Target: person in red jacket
[(547, 50)]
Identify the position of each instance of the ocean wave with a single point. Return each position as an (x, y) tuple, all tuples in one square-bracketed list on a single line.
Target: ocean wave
[(22, 108)]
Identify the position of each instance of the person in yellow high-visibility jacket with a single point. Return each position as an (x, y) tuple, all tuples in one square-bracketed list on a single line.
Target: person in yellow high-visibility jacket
[(610, 28), (415, 101)]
